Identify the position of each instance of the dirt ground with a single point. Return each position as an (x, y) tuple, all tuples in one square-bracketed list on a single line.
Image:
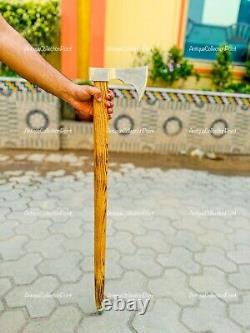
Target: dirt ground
[(224, 164)]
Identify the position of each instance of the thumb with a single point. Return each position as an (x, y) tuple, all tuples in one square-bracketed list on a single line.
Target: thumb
[(95, 92)]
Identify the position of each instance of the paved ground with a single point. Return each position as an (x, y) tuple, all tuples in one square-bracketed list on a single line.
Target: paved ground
[(181, 237)]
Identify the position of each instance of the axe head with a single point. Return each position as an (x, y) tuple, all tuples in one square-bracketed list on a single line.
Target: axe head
[(136, 76)]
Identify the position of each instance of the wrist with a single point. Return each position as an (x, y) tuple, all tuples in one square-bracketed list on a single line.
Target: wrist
[(67, 93)]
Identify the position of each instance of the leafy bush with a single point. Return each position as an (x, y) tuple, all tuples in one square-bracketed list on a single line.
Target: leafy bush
[(222, 74), (221, 70), (36, 20), (166, 71)]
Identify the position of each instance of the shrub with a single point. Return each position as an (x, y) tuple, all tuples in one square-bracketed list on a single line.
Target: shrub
[(166, 71), (36, 20), (221, 70), (222, 74)]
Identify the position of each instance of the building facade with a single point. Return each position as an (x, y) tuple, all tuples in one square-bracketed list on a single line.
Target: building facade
[(108, 33)]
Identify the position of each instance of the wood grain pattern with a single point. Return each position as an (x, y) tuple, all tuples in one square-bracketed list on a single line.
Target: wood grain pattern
[(100, 191)]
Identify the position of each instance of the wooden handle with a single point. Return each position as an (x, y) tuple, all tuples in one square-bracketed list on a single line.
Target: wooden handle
[(100, 190)]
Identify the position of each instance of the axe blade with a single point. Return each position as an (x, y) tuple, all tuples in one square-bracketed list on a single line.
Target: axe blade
[(136, 76)]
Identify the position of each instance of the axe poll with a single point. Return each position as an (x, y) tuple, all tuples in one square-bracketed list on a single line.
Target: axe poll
[(137, 77)]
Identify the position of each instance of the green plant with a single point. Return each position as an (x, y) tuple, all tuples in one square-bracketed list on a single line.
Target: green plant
[(167, 71), (246, 77), (243, 86), (221, 70), (36, 20)]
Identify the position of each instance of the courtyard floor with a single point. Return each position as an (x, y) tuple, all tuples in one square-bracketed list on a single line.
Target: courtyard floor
[(177, 237)]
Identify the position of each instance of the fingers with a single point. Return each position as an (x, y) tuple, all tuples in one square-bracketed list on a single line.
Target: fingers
[(95, 92), (110, 104)]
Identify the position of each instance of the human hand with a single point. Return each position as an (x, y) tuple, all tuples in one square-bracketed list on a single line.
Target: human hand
[(81, 97)]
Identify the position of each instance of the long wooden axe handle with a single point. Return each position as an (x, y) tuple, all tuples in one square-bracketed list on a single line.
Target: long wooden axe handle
[(100, 190), (138, 78)]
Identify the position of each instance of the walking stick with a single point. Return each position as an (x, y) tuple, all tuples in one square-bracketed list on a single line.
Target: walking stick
[(100, 76)]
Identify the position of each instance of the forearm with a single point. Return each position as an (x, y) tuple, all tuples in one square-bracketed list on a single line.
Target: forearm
[(17, 53)]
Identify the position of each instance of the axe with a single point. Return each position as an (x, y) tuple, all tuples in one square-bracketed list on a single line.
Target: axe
[(100, 76)]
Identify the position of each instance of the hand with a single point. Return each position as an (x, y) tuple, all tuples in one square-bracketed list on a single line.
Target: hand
[(81, 99)]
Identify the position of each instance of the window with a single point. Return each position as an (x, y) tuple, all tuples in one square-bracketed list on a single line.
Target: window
[(212, 23)]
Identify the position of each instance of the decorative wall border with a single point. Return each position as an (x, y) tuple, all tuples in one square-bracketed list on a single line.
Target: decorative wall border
[(164, 121), (7, 86)]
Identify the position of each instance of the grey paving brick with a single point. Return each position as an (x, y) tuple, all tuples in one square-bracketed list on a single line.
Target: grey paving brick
[(241, 255), (12, 321), (12, 249), (5, 286), (187, 240), (72, 228), (131, 284), (172, 284), (38, 230), (162, 318), (213, 256), (63, 320), (7, 229), (80, 293), (49, 248), (142, 261), (241, 280), (240, 312), (122, 241), (37, 297), (179, 258), (213, 281), (109, 322), (154, 240), (210, 316), (65, 268), (23, 270)]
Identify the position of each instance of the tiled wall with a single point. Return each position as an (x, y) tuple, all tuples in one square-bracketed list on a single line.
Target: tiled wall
[(164, 121)]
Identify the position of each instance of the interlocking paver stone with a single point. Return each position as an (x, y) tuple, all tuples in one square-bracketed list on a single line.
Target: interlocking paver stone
[(240, 312), (209, 316), (63, 320), (37, 297), (215, 257), (12, 249), (196, 267), (179, 258), (241, 255), (5, 285), (154, 240), (23, 270), (110, 322), (37, 231), (80, 293), (49, 248), (144, 261), (164, 317), (12, 321), (213, 280), (172, 284), (241, 280), (65, 267)]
